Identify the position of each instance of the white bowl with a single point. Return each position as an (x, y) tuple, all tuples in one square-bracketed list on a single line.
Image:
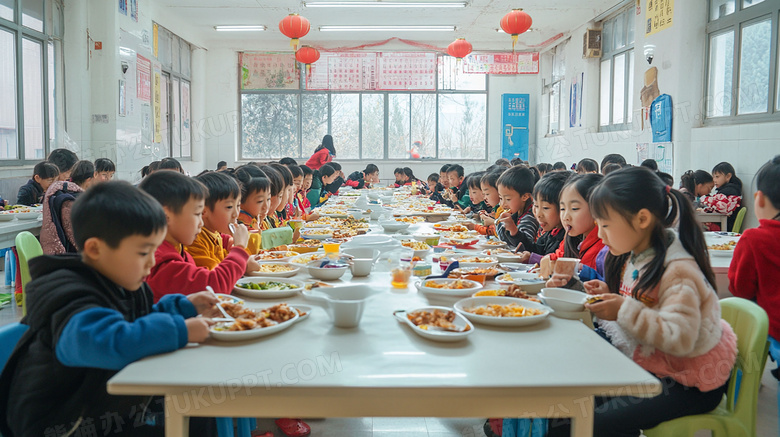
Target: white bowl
[(394, 226), (473, 302), (531, 283), (384, 243), (268, 294), (448, 292), (563, 299), (5, 217), (460, 322), (325, 273), (28, 215), (285, 274)]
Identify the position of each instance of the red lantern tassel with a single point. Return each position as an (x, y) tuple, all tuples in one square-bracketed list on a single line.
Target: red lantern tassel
[(514, 40), (294, 44)]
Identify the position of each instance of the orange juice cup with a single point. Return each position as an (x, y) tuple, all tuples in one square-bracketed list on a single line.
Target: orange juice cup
[(331, 247), (400, 276)]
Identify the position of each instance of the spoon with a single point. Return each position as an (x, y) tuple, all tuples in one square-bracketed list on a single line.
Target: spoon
[(219, 304)]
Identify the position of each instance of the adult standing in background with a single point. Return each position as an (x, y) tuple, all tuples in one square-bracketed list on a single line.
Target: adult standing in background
[(64, 159), (323, 154)]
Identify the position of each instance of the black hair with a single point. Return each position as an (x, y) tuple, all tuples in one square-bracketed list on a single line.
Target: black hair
[(336, 166), (172, 189), (652, 164), (503, 162), (768, 182), (171, 164), (516, 161), (584, 184), (327, 170), (456, 168), (113, 211), (635, 188), (104, 164), (251, 169), (444, 168), (559, 166), (544, 167), (220, 186), (410, 174), (587, 165), (434, 177), (251, 179), (327, 143), (726, 168), (691, 178), (154, 166), (549, 187), (306, 170), (609, 168), (83, 171), (145, 171), (613, 158), (473, 180), (275, 178), (491, 178), (46, 170), (221, 164), (536, 173), (666, 177), (64, 159), (295, 170), (399, 170), (370, 169), (288, 161), (285, 172), (518, 178)]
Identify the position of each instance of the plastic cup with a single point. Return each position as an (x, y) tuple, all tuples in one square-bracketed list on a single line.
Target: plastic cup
[(331, 247), (566, 266), (296, 224), (400, 276)]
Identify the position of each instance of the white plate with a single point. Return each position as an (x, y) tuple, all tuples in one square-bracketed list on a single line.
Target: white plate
[(526, 281), (394, 226), (268, 294), (436, 335), (492, 263), (250, 334), (337, 215), (484, 245), (285, 257), (462, 292), (473, 302), (288, 274), (723, 253), (306, 258), (5, 217), (227, 298), (502, 257), (306, 234)]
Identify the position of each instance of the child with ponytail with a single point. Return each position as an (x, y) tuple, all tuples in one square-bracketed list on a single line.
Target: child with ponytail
[(657, 303)]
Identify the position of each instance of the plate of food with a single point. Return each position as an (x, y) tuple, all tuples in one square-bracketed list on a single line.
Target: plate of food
[(513, 291), (503, 255), (275, 255), (491, 244), (448, 287), (436, 323), (6, 216), (317, 233), (725, 249), (224, 298), (487, 272), (268, 287), (475, 260), (249, 324), (306, 258), (305, 246), (276, 270), (530, 282), (502, 311), (460, 238), (420, 248), (413, 219)]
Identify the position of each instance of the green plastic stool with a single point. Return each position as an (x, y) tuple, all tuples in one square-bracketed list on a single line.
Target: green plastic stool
[(738, 221), (736, 414), (28, 247)]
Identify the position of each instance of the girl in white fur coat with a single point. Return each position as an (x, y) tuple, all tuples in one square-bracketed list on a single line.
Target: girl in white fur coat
[(657, 304)]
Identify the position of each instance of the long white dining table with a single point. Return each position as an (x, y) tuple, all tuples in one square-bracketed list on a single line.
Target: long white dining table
[(382, 369), (9, 230)]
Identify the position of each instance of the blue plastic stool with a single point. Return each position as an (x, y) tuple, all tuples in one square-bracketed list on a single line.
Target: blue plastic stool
[(245, 426)]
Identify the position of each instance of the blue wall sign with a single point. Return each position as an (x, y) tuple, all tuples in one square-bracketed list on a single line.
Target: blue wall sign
[(514, 123)]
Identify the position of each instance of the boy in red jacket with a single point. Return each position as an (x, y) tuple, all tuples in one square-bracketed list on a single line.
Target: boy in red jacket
[(174, 271)]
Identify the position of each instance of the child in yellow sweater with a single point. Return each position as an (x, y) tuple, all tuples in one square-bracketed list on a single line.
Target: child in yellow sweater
[(213, 243)]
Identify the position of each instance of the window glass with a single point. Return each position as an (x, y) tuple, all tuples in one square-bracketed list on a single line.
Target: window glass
[(604, 86), (462, 126), (451, 76), (186, 55), (619, 89), (52, 106), (314, 124), (399, 126), (32, 15), (555, 108), (630, 96), (185, 119), (721, 68), (176, 117), (345, 125), (175, 51), (754, 68), (165, 89), (619, 32), (33, 99), (8, 121), (7, 8), (423, 136), (270, 126), (721, 8), (749, 3), (373, 126)]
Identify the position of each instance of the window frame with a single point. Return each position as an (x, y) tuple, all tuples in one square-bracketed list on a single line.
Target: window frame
[(560, 82), (174, 76), (301, 91), (19, 32), (626, 14), (736, 22)]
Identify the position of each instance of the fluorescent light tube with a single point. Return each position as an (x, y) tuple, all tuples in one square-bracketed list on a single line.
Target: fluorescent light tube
[(384, 4), (380, 28), (239, 28)]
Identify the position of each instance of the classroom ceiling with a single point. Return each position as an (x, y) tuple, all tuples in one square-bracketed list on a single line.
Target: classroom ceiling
[(477, 22)]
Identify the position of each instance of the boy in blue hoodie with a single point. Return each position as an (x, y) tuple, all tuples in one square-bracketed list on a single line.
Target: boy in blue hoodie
[(90, 315)]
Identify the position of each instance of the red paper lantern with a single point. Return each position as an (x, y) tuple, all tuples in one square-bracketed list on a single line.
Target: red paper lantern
[(307, 55), (460, 48), (515, 23), (294, 26)]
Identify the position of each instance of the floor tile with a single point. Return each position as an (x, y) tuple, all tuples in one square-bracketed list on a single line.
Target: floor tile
[(392, 424), (400, 434), (453, 425)]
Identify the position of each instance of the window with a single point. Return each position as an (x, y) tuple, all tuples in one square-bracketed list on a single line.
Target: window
[(370, 125), (175, 55), (555, 90), (742, 61), (30, 44), (616, 96)]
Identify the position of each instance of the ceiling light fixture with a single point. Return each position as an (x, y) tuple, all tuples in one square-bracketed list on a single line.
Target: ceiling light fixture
[(380, 28), (384, 4), (239, 28)]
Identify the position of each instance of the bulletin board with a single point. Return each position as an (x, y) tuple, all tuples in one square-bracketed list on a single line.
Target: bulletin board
[(501, 63), (266, 71)]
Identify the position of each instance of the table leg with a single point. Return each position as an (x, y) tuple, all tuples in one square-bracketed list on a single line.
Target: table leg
[(724, 223), (582, 420), (176, 423)]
